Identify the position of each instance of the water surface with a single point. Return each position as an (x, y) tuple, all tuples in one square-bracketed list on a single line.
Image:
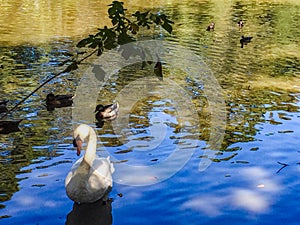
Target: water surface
[(259, 85)]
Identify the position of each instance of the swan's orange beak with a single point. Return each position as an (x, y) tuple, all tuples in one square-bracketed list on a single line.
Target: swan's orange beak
[(78, 145)]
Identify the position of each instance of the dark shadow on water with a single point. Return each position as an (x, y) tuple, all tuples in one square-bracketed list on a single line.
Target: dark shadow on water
[(91, 213)]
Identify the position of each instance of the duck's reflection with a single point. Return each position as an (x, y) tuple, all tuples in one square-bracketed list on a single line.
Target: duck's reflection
[(91, 213)]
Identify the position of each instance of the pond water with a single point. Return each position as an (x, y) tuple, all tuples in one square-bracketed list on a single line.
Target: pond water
[(215, 141)]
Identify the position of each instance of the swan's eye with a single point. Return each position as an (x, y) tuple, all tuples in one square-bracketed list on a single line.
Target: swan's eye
[(74, 143)]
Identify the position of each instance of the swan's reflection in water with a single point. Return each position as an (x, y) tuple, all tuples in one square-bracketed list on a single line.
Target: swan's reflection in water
[(91, 213)]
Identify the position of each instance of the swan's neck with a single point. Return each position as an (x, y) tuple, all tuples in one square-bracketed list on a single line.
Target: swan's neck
[(91, 148)]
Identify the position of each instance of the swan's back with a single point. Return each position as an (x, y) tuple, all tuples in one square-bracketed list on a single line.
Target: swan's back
[(86, 184), (102, 170)]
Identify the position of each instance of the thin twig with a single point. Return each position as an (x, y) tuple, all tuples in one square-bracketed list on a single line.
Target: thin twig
[(283, 166), (89, 55)]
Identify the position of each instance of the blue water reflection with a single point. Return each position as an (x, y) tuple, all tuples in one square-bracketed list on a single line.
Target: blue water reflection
[(254, 177), (233, 192)]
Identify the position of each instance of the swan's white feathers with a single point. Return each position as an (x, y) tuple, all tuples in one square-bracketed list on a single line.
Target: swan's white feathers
[(88, 181)]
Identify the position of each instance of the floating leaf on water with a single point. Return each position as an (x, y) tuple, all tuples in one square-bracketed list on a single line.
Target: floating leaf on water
[(242, 161), (285, 131), (123, 151), (38, 185), (43, 175), (285, 118)]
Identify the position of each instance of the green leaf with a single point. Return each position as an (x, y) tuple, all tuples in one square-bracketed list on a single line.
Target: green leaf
[(142, 19), (116, 8), (123, 30), (95, 43), (109, 44), (165, 19), (156, 19), (137, 14), (85, 41), (134, 28), (124, 38), (167, 27)]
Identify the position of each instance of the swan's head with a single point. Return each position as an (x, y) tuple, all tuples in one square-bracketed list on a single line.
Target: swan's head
[(80, 134)]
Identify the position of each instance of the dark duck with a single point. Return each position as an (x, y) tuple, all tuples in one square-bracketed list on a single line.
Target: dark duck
[(3, 106), (58, 101), (240, 24), (211, 27), (9, 126), (245, 41)]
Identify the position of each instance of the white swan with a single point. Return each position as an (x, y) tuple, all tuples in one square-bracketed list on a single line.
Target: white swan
[(90, 177)]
